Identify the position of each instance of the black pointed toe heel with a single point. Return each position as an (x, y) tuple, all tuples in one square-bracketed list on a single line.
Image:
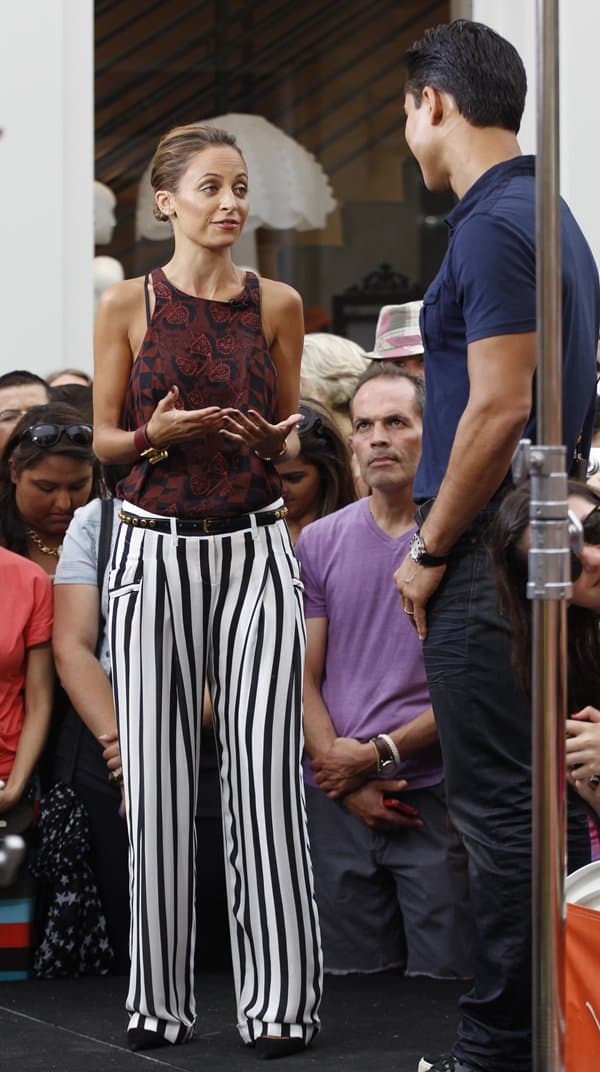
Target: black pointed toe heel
[(269, 1049)]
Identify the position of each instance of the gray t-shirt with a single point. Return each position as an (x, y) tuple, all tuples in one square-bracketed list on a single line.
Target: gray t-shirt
[(79, 556)]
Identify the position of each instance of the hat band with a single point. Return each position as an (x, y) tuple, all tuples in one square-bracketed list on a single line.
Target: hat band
[(395, 341)]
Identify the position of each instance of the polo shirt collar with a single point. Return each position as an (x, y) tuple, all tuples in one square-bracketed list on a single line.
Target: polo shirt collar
[(485, 184)]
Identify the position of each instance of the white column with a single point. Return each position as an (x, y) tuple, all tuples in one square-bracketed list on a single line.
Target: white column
[(46, 176), (579, 146)]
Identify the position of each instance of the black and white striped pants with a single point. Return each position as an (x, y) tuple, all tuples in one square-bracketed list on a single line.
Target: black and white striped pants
[(228, 609)]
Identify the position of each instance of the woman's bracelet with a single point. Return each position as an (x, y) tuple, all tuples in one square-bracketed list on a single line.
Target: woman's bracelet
[(116, 776), (273, 457), (144, 447)]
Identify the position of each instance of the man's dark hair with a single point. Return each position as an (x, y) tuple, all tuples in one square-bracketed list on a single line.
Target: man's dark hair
[(481, 70), (21, 378), (390, 371)]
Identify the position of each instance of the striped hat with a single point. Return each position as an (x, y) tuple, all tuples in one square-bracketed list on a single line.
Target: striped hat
[(397, 333)]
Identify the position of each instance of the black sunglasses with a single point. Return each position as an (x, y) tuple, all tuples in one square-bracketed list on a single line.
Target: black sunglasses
[(590, 528), (48, 435), (311, 422)]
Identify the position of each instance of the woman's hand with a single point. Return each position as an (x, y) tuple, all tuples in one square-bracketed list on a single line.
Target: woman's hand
[(111, 751), (8, 797), (583, 743), (587, 792), (255, 432), (170, 423)]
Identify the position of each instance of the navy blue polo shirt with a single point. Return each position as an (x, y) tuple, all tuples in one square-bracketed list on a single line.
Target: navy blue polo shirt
[(486, 286)]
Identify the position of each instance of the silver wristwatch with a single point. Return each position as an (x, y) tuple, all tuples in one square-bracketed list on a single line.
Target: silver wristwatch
[(419, 553)]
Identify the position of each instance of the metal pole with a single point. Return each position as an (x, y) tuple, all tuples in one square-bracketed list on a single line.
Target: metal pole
[(548, 578)]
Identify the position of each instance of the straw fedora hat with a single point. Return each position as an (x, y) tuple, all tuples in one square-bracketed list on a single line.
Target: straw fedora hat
[(397, 333)]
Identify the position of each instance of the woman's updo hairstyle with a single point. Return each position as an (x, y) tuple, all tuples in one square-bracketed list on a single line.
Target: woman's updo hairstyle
[(173, 153)]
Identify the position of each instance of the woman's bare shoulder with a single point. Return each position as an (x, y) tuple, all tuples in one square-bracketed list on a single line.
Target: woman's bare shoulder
[(278, 295), (124, 296)]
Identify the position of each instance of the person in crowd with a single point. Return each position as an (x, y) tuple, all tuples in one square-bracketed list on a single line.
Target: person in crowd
[(320, 479), (465, 93), (329, 372), (510, 543), (593, 471), (78, 396), (398, 337), (26, 684), (48, 469), (196, 387), (390, 872), (19, 391), (80, 646), (67, 376), (89, 739)]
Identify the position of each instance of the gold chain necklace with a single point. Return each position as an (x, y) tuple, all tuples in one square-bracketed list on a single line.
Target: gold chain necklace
[(41, 546)]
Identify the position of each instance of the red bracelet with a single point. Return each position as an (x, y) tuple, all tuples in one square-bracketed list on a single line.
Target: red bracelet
[(140, 439)]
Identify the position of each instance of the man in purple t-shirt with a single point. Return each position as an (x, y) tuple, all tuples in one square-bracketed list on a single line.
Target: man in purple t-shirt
[(391, 884)]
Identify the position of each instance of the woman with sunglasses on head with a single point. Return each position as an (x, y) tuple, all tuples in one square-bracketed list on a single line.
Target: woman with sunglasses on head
[(47, 470), (196, 386), (510, 545), (319, 480)]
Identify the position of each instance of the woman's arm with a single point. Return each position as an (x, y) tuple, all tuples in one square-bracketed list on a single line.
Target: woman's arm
[(74, 639), (283, 325), (283, 328), (118, 334), (39, 681), (118, 310)]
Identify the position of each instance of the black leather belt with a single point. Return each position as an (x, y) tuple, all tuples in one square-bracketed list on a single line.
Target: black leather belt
[(208, 526)]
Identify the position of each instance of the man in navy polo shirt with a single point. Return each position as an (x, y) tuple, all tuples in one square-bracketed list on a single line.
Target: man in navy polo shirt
[(465, 95)]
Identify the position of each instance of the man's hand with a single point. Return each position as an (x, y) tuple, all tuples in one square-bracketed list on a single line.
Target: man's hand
[(344, 767), (367, 805), (416, 585)]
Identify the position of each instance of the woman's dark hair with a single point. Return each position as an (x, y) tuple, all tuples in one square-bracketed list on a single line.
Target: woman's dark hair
[(510, 562), (21, 453), (322, 445), (481, 70), (175, 150)]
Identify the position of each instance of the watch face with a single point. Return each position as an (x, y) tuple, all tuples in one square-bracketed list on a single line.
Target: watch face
[(416, 548)]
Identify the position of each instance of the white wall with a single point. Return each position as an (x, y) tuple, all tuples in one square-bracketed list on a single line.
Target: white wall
[(579, 33), (46, 175), (47, 153)]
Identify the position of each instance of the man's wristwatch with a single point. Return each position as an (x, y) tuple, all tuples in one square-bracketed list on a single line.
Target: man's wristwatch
[(419, 553)]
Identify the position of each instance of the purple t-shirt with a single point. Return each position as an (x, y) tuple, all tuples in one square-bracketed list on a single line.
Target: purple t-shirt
[(374, 676)]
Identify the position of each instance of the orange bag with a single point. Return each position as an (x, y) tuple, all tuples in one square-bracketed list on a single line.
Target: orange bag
[(582, 960)]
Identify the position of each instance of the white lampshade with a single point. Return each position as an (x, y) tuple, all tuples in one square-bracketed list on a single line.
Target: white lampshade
[(288, 187)]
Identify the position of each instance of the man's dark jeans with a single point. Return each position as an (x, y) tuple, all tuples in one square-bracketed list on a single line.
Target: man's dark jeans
[(484, 723)]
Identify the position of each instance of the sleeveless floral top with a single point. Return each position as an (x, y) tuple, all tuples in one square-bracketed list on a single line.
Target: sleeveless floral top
[(216, 354)]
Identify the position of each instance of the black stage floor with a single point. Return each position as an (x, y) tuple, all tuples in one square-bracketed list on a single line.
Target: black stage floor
[(382, 1022)]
